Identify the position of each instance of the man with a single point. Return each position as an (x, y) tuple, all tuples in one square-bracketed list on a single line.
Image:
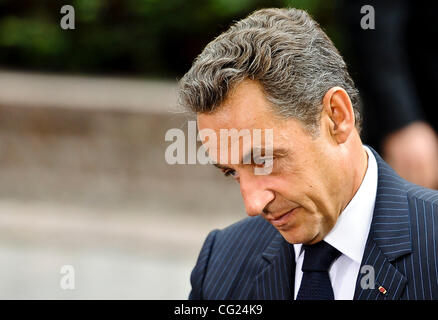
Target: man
[(331, 220)]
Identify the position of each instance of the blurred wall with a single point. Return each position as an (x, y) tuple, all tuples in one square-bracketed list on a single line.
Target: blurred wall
[(84, 183)]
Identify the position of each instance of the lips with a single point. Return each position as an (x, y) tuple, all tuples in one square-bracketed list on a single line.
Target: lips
[(282, 219)]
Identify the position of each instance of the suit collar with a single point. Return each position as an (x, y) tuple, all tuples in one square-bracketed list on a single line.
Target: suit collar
[(390, 227), (274, 248), (389, 238), (276, 275)]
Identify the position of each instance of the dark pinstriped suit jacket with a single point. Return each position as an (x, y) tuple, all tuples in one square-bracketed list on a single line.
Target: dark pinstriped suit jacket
[(251, 260)]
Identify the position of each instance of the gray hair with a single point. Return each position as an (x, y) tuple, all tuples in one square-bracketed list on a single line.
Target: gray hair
[(286, 51)]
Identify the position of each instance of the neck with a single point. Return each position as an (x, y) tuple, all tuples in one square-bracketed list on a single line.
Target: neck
[(360, 156)]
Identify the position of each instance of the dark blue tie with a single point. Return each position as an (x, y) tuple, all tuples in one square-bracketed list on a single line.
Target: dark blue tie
[(315, 284)]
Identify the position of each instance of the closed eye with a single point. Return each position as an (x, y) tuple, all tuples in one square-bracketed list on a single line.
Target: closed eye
[(261, 161), (230, 172)]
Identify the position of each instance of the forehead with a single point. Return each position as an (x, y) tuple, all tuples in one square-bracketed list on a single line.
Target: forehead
[(245, 107)]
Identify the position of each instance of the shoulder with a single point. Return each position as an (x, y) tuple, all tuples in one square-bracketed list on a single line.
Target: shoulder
[(423, 210), (420, 193), (245, 233), (249, 236), (227, 253)]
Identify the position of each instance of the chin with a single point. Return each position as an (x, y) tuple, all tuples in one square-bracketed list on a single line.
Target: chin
[(305, 228), (295, 236)]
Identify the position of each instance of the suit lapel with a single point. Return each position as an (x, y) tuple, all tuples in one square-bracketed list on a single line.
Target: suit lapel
[(388, 240), (275, 278)]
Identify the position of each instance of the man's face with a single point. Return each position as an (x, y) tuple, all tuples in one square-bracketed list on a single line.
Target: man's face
[(302, 196)]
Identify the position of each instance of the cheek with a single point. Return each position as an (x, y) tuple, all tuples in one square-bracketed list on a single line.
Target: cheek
[(301, 182), (290, 188), (279, 183), (305, 191)]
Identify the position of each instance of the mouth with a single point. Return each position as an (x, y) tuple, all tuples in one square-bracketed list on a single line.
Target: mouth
[(282, 219)]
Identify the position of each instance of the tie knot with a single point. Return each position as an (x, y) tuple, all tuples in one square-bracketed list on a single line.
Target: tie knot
[(319, 256)]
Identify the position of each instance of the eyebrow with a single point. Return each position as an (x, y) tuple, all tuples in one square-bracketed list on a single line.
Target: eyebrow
[(220, 166), (280, 152)]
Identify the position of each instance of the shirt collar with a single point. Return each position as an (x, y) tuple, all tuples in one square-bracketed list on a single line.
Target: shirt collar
[(350, 233)]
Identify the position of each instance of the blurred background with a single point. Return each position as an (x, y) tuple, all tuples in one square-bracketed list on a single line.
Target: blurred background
[(83, 114)]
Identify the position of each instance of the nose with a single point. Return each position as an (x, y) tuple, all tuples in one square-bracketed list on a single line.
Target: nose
[(255, 196)]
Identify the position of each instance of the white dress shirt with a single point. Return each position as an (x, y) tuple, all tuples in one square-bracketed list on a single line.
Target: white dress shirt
[(349, 236)]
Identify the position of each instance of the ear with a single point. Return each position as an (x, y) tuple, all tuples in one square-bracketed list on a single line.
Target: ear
[(339, 114)]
